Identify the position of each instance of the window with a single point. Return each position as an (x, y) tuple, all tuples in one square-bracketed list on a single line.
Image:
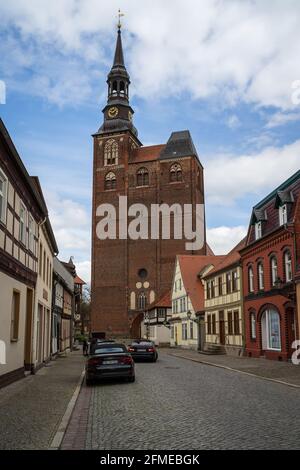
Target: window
[(40, 259), (251, 279), (283, 214), (31, 233), (288, 266), (220, 285), (236, 322), (44, 266), (191, 330), (212, 284), (15, 316), (258, 230), (172, 332), (230, 328), (22, 234), (260, 273), (142, 301), (208, 291), (234, 281), (142, 273), (184, 331), (274, 270), (142, 177), (175, 173), (209, 324), (3, 197), (253, 325), (228, 283), (111, 152), (214, 327), (270, 330), (110, 181)]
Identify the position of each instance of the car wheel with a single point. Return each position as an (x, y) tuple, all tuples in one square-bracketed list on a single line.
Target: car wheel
[(131, 379)]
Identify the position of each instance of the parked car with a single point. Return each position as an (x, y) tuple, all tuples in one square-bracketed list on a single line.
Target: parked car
[(109, 360), (143, 349)]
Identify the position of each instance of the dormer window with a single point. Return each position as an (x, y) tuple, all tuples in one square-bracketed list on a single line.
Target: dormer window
[(258, 230), (283, 214)]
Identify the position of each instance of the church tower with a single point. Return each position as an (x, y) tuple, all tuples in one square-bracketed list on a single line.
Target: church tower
[(128, 275)]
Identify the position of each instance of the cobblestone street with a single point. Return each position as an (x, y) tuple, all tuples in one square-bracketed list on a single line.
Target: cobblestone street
[(180, 404)]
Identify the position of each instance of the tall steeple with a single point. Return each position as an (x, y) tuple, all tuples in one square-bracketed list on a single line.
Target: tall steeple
[(118, 112)]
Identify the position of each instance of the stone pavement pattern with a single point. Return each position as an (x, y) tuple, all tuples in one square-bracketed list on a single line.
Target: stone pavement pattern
[(180, 404), (32, 408), (275, 370)]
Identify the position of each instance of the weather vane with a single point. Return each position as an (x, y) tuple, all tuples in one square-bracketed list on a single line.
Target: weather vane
[(120, 16)]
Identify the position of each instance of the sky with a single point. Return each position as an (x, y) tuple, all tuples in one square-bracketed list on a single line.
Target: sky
[(227, 70)]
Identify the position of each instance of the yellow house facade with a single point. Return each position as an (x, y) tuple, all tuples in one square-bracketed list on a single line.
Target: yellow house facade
[(224, 319), (188, 298)]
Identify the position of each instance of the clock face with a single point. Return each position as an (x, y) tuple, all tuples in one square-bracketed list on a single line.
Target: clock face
[(130, 115), (113, 112)]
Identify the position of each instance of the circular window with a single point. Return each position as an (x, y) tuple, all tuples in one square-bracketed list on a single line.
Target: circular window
[(142, 273)]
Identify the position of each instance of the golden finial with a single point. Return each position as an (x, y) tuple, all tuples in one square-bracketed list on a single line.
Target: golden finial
[(120, 16)]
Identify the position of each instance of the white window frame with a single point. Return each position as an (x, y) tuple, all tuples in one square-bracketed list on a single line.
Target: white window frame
[(261, 283), (267, 319), (31, 233), (253, 325), (3, 199), (288, 266), (251, 279), (283, 214), (22, 233), (184, 332), (258, 230), (274, 270)]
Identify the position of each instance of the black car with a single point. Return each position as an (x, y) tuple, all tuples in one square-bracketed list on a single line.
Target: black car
[(143, 349), (109, 360)]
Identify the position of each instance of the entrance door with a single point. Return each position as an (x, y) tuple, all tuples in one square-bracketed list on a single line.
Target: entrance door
[(222, 327), (28, 330)]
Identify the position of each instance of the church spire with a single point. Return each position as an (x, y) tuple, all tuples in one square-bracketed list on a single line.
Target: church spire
[(118, 112)]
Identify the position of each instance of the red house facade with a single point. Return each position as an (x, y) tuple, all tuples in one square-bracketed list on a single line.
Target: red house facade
[(270, 262)]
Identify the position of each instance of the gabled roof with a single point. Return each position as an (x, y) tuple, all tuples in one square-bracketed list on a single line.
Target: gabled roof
[(164, 301), (78, 280), (190, 267), (283, 197), (258, 215), (228, 260), (21, 168), (180, 144), (48, 225), (146, 154)]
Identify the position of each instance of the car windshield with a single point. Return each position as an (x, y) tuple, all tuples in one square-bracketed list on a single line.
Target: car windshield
[(109, 349), (143, 342)]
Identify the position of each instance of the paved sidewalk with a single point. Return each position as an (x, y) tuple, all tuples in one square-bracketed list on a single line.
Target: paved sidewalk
[(272, 370), (32, 408)]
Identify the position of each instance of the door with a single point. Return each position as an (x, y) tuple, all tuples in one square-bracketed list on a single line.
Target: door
[(222, 327)]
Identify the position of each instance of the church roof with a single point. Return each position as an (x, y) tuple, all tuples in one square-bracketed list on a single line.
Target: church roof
[(146, 154), (180, 144)]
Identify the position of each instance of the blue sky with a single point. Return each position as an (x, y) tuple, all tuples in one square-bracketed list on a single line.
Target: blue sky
[(225, 70)]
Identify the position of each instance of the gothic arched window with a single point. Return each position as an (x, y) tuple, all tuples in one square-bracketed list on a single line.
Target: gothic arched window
[(111, 152), (142, 177), (142, 301), (175, 173), (110, 181)]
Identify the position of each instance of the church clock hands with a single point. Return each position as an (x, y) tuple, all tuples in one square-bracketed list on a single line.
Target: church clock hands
[(113, 112)]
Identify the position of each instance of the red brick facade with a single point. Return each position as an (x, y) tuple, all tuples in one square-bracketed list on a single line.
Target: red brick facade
[(271, 323), (125, 271), (116, 263)]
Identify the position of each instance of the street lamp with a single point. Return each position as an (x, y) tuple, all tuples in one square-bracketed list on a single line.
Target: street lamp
[(278, 283), (189, 314)]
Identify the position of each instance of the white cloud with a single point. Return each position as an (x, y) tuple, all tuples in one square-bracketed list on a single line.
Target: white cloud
[(280, 119), (83, 270), (223, 239), (235, 50), (233, 122), (230, 177)]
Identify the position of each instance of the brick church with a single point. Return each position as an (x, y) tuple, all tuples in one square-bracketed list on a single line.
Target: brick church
[(127, 274)]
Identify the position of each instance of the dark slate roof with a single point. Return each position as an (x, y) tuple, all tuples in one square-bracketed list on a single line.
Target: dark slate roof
[(258, 215), (282, 187), (119, 56), (283, 197), (180, 144)]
